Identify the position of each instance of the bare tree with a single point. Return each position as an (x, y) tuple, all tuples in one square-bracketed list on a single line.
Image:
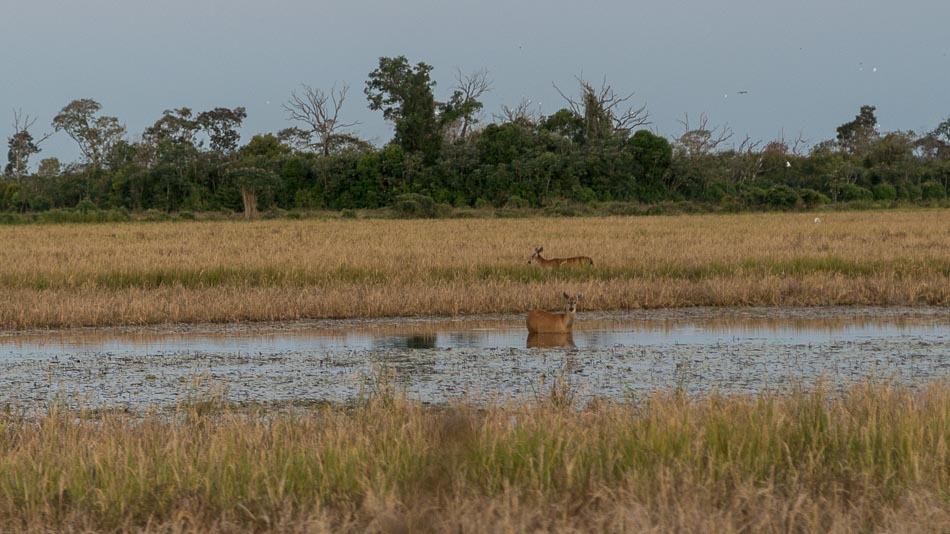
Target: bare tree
[(702, 139), (319, 113), (748, 160), (521, 113), (781, 145), (470, 87), (605, 111), (21, 145)]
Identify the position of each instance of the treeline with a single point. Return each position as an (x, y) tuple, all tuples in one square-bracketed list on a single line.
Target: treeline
[(442, 153)]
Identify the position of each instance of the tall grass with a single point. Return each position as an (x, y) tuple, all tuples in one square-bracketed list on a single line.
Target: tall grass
[(874, 458), (134, 273)]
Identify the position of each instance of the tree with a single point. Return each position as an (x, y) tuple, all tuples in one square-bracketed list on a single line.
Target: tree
[(319, 113), (220, 125), (566, 123), (936, 144), (252, 181), (175, 126), (855, 137), (604, 112), (49, 167), (464, 102), (94, 135), (702, 139), (21, 145), (404, 94), (253, 171), (521, 113)]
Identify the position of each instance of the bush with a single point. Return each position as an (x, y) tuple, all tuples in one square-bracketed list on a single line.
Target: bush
[(516, 202), (931, 190), (782, 196), (908, 191), (417, 206), (154, 215), (884, 191), (812, 198), (754, 196), (85, 206), (348, 214), (275, 213), (848, 192)]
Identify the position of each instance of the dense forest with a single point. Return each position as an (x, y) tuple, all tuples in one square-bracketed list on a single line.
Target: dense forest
[(597, 148)]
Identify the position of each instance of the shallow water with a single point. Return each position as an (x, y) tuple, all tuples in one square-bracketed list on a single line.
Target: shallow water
[(438, 360)]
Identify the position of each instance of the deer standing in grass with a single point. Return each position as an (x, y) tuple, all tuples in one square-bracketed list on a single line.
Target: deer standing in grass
[(543, 322), (537, 259)]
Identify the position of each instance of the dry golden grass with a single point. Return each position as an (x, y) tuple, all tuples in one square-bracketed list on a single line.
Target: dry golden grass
[(139, 273), (873, 459)]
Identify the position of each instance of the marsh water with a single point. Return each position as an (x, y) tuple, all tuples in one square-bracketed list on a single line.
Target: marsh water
[(489, 358)]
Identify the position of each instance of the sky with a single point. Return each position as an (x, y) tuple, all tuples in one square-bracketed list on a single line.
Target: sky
[(807, 65)]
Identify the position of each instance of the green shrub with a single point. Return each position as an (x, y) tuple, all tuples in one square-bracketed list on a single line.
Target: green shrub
[(812, 198), (909, 191), (931, 190), (516, 202), (417, 206), (348, 214), (848, 192), (782, 196), (85, 206), (884, 191)]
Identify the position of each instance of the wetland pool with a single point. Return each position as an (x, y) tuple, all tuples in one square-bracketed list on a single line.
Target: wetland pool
[(487, 358)]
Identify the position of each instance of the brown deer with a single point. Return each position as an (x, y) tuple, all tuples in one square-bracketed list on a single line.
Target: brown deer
[(542, 322), (537, 259)]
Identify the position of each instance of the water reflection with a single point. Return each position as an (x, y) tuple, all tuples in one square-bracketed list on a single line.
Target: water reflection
[(421, 341), (550, 341), (641, 330)]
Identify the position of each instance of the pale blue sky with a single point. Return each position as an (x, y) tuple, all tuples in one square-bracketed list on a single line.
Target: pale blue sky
[(807, 64)]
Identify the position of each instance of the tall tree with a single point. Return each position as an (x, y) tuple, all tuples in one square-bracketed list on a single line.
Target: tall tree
[(221, 125), (465, 103), (21, 145), (404, 94), (855, 136), (95, 135), (604, 111), (936, 143), (318, 112), (175, 126)]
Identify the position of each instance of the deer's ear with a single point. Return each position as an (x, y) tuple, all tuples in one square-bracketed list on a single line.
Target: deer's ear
[(568, 297), (539, 249), (579, 296)]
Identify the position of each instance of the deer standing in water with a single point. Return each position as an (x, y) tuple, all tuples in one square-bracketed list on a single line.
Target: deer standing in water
[(543, 322), (557, 262)]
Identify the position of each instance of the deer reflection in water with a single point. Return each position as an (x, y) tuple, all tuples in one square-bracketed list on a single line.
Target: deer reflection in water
[(550, 340)]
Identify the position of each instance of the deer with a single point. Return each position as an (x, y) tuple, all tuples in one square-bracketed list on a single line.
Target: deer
[(543, 322), (537, 259)]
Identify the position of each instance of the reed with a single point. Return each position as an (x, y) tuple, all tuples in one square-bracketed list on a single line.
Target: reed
[(871, 459), (138, 273)]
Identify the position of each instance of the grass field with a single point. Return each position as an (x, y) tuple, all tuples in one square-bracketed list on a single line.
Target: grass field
[(140, 273), (872, 459)]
